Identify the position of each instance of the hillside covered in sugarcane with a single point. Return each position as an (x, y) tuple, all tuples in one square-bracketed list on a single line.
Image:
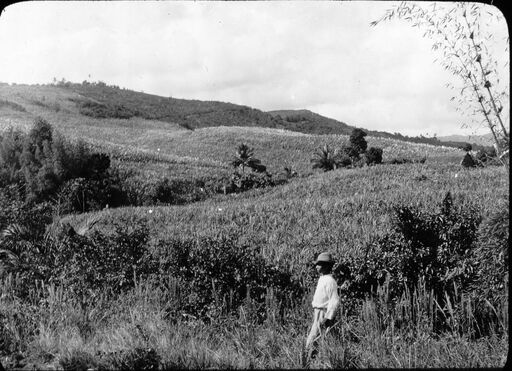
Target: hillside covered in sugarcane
[(146, 223)]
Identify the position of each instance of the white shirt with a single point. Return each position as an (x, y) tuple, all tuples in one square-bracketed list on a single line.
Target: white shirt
[(326, 295)]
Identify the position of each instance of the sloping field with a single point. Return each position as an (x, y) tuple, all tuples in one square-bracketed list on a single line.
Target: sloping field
[(339, 211), (166, 148)]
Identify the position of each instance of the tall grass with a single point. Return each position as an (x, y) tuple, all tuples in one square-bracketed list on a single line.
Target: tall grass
[(134, 330)]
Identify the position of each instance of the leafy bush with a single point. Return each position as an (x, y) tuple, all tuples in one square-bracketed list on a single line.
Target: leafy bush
[(349, 153), (240, 182), (177, 191), (374, 156), (434, 247), (404, 160), (487, 156), (217, 274), (138, 191), (357, 141), (42, 161), (89, 264), (81, 195)]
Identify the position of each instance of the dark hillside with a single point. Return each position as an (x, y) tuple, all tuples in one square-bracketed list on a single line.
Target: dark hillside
[(102, 101)]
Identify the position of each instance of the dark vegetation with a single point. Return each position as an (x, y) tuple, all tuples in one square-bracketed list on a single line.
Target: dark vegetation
[(104, 101), (450, 253), (355, 153), (43, 166)]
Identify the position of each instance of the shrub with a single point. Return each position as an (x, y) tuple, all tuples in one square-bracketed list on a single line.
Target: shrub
[(487, 156), (374, 156), (349, 152), (88, 264), (177, 191), (81, 195), (404, 160), (219, 273), (42, 161), (11, 147), (240, 182), (357, 141), (434, 247)]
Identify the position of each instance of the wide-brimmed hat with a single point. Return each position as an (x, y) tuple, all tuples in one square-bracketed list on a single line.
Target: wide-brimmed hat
[(325, 258)]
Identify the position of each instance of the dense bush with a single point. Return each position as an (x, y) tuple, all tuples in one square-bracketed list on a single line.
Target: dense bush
[(137, 191), (404, 160), (351, 154), (357, 141), (432, 247), (373, 156), (42, 161), (89, 264), (240, 182), (218, 274), (81, 195), (487, 156), (24, 243)]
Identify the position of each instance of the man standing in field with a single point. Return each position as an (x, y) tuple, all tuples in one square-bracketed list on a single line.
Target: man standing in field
[(325, 303)]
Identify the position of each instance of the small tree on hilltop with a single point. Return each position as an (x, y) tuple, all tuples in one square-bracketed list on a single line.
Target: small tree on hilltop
[(357, 141)]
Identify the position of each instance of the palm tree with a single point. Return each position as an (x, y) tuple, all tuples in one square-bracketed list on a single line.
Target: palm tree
[(325, 158), (244, 158)]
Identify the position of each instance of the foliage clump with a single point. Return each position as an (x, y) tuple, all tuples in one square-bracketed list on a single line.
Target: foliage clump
[(353, 154), (250, 173), (439, 249), (44, 166), (218, 274)]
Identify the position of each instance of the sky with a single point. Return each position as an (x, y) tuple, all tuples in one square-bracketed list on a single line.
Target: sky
[(317, 55)]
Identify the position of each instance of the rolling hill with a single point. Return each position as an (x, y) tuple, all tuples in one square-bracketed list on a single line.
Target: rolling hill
[(101, 101), (157, 142)]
